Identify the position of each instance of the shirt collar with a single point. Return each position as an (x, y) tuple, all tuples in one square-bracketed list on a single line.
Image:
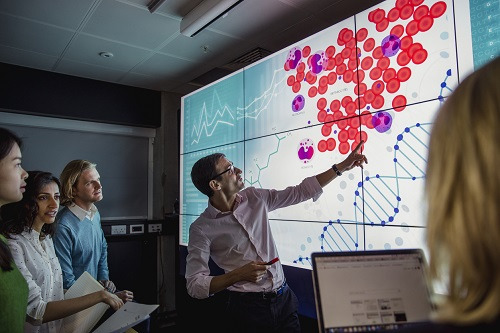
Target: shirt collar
[(31, 235), (82, 213), (215, 213)]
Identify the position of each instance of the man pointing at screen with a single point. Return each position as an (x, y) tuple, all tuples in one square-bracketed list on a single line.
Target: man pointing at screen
[(234, 231)]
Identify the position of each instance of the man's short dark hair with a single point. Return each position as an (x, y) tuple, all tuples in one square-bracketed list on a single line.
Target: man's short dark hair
[(203, 172)]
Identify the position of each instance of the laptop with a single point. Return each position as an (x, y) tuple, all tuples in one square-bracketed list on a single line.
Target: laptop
[(368, 291)]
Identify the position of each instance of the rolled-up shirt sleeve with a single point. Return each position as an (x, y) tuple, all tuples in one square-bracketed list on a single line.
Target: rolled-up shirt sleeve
[(309, 188), (198, 277)]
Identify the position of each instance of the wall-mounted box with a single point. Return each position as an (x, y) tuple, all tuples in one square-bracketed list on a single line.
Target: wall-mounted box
[(137, 228)]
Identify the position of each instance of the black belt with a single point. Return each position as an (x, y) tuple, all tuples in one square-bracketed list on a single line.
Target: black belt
[(263, 295)]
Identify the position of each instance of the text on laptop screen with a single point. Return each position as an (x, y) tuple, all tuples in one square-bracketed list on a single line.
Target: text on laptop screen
[(372, 289)]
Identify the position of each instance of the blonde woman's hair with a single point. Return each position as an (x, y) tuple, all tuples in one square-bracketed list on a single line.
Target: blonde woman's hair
[(69, 177), (463, 193)]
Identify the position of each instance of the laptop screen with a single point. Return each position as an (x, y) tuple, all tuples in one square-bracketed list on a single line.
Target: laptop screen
[(370, 290)]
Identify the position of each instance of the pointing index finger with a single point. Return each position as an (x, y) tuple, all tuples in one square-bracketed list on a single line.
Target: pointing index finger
[(358, 147)]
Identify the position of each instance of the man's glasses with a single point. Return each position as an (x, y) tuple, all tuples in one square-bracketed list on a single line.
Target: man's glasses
[(230, 170)]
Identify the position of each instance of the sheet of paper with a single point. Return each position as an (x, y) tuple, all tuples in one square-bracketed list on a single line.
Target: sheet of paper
[(83, 321), (129, 315)]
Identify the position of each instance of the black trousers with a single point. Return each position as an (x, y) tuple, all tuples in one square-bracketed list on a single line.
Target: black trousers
[(263, 312)]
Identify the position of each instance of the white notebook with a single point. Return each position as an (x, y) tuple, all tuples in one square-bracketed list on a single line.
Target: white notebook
[(126, 317), (83, 321), (129, 315)]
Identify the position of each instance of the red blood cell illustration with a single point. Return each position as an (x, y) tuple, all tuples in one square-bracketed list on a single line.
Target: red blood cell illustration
[(406, 42), (393, 85), (300, 76), (377, 52), (437, 9), (313, 91), (323, 81), (369, 44), (375, 73), (378, 102), (383, 63), (393, 14), (420, 12), (367, 63), (389, 74), (377, 87), (306, 51), (399, 103), (322, 146), (419, 56), (335, 105), (425, 23), (401, 3), (361, 73), (403, 74), (406, 12), (346, 100), (361, 34), (326, 130), (412, 28), (378, 15), (382, 25), (332, 78), (330, 51), (344, 148), (398, 30), (321, 103), (296, 87), (403, 59), (348, 76), (321, 116), (331, 143)]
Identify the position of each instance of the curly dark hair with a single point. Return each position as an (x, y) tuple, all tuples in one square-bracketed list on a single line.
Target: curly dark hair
[(19, 216)]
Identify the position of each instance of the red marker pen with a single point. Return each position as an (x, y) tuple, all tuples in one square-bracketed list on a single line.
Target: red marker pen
[(272, 261)]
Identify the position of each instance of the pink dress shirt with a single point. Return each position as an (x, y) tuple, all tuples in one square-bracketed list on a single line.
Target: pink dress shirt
[(233, 239)]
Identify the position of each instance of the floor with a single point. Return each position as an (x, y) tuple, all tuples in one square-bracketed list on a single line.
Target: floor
[(172, 323)]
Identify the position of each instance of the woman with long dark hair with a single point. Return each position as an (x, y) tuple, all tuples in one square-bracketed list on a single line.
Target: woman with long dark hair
[(29, 227), (13, 287)]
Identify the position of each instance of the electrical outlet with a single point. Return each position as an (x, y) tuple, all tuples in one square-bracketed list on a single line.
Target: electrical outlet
[(118, 229), (154, 227), (137, 228)]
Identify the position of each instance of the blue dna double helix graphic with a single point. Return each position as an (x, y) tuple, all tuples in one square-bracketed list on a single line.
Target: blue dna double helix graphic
[(377, 200)]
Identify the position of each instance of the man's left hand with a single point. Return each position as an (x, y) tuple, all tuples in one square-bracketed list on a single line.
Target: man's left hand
[(108, 285)]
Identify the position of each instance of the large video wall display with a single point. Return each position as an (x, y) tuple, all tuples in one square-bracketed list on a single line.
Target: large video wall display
[(379, 76)]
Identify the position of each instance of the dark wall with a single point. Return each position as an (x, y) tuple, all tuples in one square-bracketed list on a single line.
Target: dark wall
[(36, 92), (132, 265)]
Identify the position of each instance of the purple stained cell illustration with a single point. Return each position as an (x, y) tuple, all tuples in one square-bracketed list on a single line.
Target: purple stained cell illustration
[(305, 150), (293, 59), (391, 45), (318, 62), (298, 103), (382, 121)]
